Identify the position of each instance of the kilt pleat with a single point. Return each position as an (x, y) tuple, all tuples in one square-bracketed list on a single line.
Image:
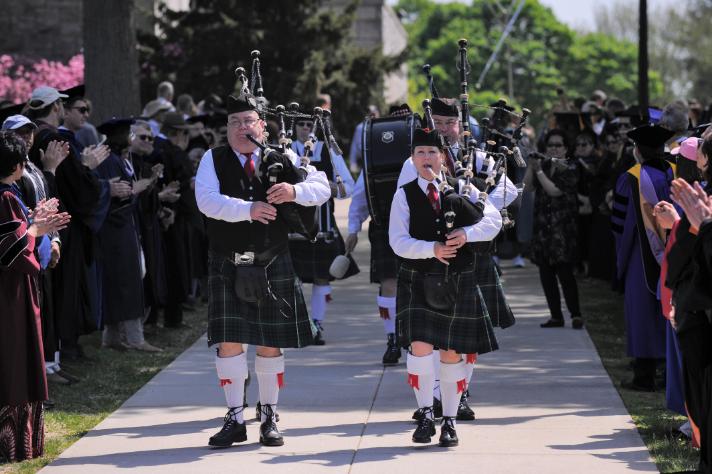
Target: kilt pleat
[(490, 285), (312, 260), (466, 329), (384, 262), (281, 323)]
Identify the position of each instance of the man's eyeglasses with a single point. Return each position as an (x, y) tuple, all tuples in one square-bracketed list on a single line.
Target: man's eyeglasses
[(81, 110), (243, 123), (449, 123), (145, 138), (302, 123)]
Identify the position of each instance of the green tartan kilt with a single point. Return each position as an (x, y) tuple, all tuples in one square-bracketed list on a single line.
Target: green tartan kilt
[(466, 328), (492, 292), (269, 323)]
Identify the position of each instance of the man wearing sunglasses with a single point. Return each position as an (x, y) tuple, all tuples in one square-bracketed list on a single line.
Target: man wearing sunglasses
[(76, 112)]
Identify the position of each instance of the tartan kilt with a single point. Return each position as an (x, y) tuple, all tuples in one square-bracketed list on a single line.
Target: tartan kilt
[(266, 323), (487, 279), (312, 260), (384, 262), (466, 328)]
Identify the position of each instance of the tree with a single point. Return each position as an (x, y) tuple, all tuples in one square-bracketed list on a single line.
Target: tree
[(110, 58), (545, 54), (305, 50)]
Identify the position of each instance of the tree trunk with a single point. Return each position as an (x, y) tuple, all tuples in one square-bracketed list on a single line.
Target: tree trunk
[(110, 59)]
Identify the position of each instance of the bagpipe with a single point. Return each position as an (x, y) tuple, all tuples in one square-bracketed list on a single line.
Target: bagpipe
[(497, 148), (276, 164)]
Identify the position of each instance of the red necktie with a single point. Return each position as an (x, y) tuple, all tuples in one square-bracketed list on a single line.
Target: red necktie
[(434, 198), (249, 167)]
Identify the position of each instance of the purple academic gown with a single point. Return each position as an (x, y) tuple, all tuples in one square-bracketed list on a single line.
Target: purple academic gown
[(639, 255)]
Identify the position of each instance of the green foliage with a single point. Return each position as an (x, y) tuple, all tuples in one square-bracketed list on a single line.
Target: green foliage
[(544, 54), (305, 50)]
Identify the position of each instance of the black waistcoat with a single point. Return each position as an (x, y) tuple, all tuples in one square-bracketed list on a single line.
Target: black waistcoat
[(426, 224), (228, 237)]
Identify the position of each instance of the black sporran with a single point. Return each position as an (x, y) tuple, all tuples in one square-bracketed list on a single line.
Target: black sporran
[(250, 280), (440, 291)]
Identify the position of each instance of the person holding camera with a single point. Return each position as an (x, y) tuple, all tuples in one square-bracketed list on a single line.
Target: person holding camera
[(432, 228), (554, 247), (254, 296)]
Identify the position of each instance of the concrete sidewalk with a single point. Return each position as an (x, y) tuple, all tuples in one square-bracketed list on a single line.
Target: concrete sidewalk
[(544, 404)]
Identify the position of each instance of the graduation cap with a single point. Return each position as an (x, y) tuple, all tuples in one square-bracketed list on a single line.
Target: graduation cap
[(115, 125), (573, 123), (242, 103), (202, 118), (426, 137), (76, 91), (652, 137), (14, 109), (445, 109)]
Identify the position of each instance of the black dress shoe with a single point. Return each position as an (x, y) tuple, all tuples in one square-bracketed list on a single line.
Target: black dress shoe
[(426, 427), (319, 338), (269, 433), (553, 323), (577, 322), (448, 435), (393, 352), (464, 412), (437, 411), (231, 432)]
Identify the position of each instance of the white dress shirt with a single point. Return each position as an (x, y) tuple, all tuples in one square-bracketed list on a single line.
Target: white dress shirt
[(501, 196), (338, 161), (358, 210), (407, 247), (313, 191)]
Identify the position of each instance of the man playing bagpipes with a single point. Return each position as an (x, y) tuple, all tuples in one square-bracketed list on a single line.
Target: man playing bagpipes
[(251, 196), (433, 228)]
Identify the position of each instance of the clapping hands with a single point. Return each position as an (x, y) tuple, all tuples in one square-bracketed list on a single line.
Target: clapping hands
[(93, 156), (693, 200)]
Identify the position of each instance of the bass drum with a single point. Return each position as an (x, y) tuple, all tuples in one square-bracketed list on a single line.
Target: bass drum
[(386, 146)]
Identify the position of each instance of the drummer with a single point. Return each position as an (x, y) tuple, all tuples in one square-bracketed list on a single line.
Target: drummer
[(312, 259)]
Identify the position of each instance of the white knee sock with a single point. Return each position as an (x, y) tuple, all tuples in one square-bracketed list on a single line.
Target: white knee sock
[(435, 359), (387, 310), (452, 384), (232, 372), (420, 377), (270, 377), (318, 301), (470, 360)]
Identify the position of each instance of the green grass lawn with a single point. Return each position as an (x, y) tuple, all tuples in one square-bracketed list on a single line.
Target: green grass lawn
[(603, 310), (109, 379)]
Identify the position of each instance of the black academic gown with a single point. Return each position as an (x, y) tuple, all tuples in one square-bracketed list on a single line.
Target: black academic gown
[(120, 252)]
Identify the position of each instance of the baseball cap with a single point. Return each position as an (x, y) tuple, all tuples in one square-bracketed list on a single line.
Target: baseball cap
[(13, 122), (43, 96), (687, 148)]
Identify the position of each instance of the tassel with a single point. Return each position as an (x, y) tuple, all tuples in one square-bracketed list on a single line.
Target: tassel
[(461, 385), (413, 381), (224, 382), (471, 358), (280, 380), (383, 312)]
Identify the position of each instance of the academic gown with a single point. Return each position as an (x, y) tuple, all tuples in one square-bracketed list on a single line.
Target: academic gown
[(86, 198), (120, 251), (640, 250)]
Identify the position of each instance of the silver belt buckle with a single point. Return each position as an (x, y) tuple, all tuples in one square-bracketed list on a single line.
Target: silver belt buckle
[(247, 258)]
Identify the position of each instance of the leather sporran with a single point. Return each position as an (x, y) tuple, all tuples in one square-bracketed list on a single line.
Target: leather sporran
[(440, 291), (250, 279)]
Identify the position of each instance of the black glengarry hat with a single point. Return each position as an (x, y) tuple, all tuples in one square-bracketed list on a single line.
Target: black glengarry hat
[(242, 103), (440, 107), (426, 137)]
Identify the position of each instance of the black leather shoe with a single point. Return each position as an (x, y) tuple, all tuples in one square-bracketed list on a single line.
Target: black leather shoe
[(464, 412), (319, 338), (553, 323), (448, 435), (269, 433), (231, 432), (577, 322), (393, 352), (437, 411), (426, 427)]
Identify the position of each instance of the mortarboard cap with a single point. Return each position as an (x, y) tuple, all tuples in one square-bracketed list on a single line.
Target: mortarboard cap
[(650, 136), (13, 109), (114, 125), (76, 91)]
